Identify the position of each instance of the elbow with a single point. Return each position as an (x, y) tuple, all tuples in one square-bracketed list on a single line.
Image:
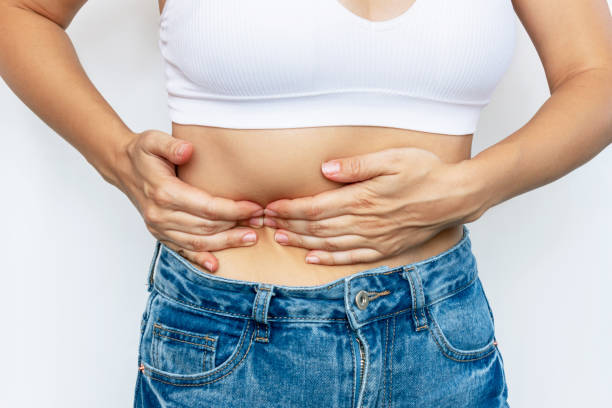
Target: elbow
[(59, 13)]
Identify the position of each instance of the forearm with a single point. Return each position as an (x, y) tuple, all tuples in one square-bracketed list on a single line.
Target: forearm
[(39, 63), (569, 129)]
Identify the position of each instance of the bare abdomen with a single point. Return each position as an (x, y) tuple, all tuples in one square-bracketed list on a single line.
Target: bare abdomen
[(270, 164)]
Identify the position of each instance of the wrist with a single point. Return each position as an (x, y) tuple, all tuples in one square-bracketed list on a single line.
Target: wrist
[(116, 159), (473, 189)]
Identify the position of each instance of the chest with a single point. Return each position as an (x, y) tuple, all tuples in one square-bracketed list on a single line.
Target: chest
[(296, 46)]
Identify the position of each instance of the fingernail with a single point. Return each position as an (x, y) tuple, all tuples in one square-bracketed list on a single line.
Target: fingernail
[(208, 266), (256, 221), (270, 212), (249, 237), (181, 149), (281, 238), (331, 167), (269, 222), (312, 259)]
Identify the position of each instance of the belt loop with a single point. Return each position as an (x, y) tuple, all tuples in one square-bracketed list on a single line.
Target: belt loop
[(418, 297), (260, 311), (149, 283)]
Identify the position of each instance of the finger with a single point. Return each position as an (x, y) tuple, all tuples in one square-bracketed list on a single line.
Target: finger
[(164, 219), (360, 255), (349, 199), (361, 167), (232, 238), (164, 145), (330, 227), (204, 259), (341, 242), (182, 221), (178, 195)]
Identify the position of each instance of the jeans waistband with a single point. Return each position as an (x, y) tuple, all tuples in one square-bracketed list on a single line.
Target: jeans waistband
[(360, 298)]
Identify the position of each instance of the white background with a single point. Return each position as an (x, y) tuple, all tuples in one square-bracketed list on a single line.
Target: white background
[(75, 252)]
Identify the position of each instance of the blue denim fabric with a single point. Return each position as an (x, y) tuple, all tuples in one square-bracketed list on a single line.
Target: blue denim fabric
[(419, 335)]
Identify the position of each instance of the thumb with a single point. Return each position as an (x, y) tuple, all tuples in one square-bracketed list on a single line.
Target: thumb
[(181, 151), (358, 168), (177, 151)]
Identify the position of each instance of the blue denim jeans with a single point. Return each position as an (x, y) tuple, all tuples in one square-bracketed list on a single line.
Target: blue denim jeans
[(418, 335)]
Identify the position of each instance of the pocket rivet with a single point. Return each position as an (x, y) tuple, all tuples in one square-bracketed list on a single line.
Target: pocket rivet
[(362, 299)]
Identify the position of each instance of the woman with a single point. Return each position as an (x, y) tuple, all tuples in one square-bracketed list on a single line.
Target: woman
[(372, 299)]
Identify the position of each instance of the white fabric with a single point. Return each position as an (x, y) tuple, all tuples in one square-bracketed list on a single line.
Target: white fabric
[(299, 63)]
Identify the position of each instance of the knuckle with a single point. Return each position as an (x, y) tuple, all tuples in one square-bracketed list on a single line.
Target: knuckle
[(365, 201), (199, 258), (355, 166), (162, 196), (145, 139), (208, 229), (233, 240), (148, 190), (331, 245), (313, 228), (196, 244), (314, 210), (151, 215), (208, 209)]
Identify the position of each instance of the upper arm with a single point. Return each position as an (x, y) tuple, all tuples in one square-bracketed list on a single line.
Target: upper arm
[(59, 11), (570, 36)]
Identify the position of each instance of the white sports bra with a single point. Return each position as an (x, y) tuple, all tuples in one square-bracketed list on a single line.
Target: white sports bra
[(301, 63)]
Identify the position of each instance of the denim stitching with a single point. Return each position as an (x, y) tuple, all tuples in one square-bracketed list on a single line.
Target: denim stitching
[(207, 382), (454, 292), (225, 364), (385, 362), (391, 364), (412, 292), (160, 326), (417, 279), (460, 360), (263, 310), (254, 314), (197, 306), (263, 307), (354, 365), (256, 305), (273, 318), (184, 341), (451, 349)]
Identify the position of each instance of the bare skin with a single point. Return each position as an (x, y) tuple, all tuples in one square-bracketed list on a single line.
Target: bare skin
[(225, 167), (230, 169), (572, 38)]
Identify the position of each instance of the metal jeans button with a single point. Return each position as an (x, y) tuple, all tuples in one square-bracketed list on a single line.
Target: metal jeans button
[(362, 299)]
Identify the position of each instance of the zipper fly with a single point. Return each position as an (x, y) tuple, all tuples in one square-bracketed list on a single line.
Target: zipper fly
[(362, 362)]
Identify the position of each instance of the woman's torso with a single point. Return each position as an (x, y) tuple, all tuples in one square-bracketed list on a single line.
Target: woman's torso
[(266, 164)]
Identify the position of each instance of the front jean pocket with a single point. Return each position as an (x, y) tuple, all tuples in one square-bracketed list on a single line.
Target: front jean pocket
[(180, 351), (462, 324), (185, 346)]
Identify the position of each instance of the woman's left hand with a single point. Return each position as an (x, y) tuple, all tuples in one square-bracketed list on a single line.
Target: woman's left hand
[(396, 199)]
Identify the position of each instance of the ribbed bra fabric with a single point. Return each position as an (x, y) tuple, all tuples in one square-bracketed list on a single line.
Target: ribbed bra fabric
[(301, 63)]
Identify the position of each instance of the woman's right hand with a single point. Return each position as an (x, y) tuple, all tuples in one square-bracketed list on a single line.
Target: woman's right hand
[(183, 217)]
